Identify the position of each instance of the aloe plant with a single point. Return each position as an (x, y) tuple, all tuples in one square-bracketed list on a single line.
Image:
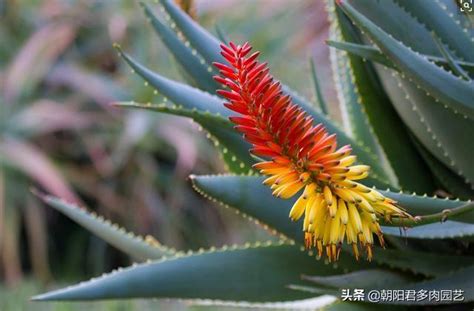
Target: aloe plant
[(407, 115)]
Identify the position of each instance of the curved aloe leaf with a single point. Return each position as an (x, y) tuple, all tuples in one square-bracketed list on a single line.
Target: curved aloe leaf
[(445, 134), (200, 73), (361, 279), (453, 11), (425, 205), (233, 148), (204, 42), (371, 53), (450, 59), (134, 246), (442, 22), (429, 264), (252, 197), (320, 101), (371, 115), (179, 93), (366, 52), (444, 230), (254, 200), (450, 181), (452, 91), (394, 20), (250, 274)]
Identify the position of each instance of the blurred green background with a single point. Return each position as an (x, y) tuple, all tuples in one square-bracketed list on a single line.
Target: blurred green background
[(59, 133)]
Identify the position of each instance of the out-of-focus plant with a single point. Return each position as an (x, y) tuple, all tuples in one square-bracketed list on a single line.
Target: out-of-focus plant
[(390, 133)]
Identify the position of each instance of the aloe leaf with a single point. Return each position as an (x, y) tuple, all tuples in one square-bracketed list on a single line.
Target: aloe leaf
[(450, 59), (321, 102), (253, 200), (425, 205), (204, 42), (445, 230), (395, 20), (250, 197), (221, 34), (135, 246), (250, 273), (428, 264), (448, 180), (178, 93), (200, 73), (451, 91), (234, 150), (354, 116), (372, 117), (453, 11), (373, 54), (361, 279), (443, 24), (366, 52), (445, 134)]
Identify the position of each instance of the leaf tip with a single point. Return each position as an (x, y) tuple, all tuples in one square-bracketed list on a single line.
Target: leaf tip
[(39, 194)]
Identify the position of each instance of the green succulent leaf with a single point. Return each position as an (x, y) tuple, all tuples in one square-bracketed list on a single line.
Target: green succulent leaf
[(444, 230), (249, 273), (372, 278), (233, 148), (320, 101), (450, 59), (373, 54), (395, 20), (443, 23), (428, 264), (449, 181), (134, 246), (425, 205), (179, 93), (370, 115), (199, 38), (200, 72), (364, 51), (251, 198), (445, 134), (450, 90)]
